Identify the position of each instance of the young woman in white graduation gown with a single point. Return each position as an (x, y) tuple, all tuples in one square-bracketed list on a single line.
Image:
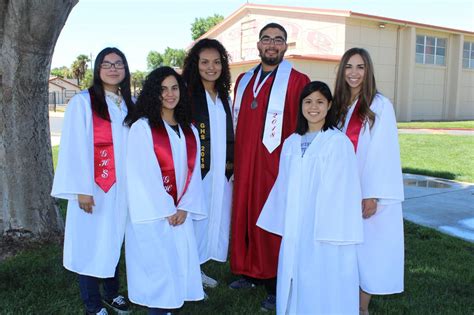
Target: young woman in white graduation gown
[(207, 75), (91, 175), (368, 119), (164, 193), (315, 205)]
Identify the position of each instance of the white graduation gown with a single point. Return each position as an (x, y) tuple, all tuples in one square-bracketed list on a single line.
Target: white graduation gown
[(315, 205), (163, 267), (212, 233), (92, 242), (381, 256)]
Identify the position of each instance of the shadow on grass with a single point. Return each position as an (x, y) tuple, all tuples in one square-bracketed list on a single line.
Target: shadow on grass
[(438, 275), (432, 173)]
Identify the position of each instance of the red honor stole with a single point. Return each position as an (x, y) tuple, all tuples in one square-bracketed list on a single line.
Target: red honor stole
[(104, 162), (355, 125), (164, 155)]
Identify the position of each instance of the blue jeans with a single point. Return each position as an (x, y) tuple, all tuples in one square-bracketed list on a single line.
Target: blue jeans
[(90, 292)]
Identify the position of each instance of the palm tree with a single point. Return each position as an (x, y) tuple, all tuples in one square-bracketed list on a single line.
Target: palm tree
[(79, 67), (137, 79)]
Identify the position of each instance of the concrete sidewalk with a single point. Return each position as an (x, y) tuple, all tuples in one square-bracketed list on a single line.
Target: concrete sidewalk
[(444, 205), (55, 126)]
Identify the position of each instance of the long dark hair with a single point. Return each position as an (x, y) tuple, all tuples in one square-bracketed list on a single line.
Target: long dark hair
[(342, 92), (191, 68), (330, 121), (100, 105), (150, 102)]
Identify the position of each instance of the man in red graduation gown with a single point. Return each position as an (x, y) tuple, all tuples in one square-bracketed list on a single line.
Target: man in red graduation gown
[(265, 114)]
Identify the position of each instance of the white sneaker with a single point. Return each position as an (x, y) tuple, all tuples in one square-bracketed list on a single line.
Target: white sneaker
[(208, 281), (102, 311)]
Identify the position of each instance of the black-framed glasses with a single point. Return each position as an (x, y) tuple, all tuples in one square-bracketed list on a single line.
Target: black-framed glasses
[(278, 41), (116, 65)]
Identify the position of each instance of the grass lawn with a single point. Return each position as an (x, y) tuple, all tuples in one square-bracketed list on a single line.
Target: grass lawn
[(444, 156), (467, 124), (55, 155), (438, 280)]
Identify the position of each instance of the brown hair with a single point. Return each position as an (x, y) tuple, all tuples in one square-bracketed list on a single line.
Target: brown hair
[(342, 92)]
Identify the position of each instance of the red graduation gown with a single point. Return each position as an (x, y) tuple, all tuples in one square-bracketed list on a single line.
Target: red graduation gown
[(254, 252)]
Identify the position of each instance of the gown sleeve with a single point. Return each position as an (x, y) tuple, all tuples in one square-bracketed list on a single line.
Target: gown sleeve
[(75, 169), (382, 174), (272, 217), (338, 213)]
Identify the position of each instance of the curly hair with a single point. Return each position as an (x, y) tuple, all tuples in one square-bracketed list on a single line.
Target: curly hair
[(191, 67), (342, 92), (150, 102)]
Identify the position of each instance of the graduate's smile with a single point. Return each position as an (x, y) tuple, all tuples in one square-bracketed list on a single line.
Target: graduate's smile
[(210, 67), (169, 93), (354, 73), (271, 53), (315, 108)]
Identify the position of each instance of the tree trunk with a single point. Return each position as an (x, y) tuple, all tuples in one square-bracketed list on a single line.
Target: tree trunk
[(29, 30)]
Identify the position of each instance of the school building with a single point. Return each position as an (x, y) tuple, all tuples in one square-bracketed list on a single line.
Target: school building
[(426, 70)]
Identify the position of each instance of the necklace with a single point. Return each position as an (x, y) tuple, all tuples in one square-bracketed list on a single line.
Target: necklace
[(116, 99), (257, 87)]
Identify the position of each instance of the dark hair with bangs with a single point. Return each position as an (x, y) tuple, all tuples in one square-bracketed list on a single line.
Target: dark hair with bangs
[(273, 25), (342, 91), (100, 105), (150, 102), (191, 68), (330, 121)]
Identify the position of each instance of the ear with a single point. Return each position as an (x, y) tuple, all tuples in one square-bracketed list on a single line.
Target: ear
[(329, 105)]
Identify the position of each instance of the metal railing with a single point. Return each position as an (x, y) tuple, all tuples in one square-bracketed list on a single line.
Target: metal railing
[(60, 98)]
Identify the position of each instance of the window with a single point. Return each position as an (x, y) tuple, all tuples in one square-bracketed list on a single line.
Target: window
[(468, 55), (430, 50)]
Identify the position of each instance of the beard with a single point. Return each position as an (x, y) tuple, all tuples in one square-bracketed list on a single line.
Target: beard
[(272, 61)]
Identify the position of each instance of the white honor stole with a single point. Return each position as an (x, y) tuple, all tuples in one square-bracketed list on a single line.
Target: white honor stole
[(276, 104)]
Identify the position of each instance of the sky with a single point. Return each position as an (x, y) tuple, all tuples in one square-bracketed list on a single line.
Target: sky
[(139, 26)]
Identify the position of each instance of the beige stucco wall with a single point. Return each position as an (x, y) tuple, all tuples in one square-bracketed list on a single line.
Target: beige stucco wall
[(318, 70), (465, 108), (381, 43), (418, 92), (466, 95), (428, 92), (405, 69)]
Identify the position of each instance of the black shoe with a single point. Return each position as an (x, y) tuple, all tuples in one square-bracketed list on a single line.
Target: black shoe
[(118, 304), (269, 304), (241, 283)]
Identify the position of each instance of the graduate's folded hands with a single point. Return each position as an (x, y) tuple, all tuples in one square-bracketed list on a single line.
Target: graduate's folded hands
[(178, 218)]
